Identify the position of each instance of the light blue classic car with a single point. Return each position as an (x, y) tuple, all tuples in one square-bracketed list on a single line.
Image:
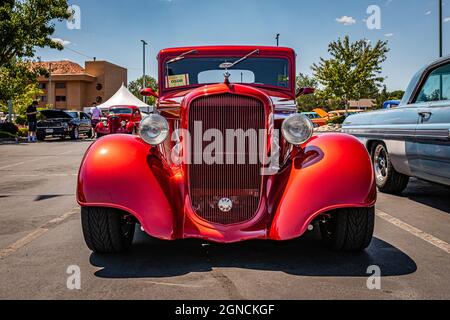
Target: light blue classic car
[(412, 140)]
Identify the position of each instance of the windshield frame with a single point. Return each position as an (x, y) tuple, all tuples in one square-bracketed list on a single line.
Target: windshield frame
[(234, 55), (121, 108)]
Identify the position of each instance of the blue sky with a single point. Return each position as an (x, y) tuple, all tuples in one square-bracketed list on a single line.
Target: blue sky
[(111, 30)]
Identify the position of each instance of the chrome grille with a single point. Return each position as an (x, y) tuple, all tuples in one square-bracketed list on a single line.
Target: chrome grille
[(240, 183)]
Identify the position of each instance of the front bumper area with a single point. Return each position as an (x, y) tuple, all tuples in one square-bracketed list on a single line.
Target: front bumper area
[(120, 172)]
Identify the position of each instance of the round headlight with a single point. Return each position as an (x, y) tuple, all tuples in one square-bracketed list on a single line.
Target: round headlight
[(123, 123), (154, 129), (297, 129)]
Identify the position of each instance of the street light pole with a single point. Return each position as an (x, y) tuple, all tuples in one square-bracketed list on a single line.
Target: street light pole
[(49, 90), (143, 77), (441, 21)]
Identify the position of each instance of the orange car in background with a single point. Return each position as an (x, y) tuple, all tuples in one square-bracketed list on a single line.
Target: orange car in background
[(326, 117)]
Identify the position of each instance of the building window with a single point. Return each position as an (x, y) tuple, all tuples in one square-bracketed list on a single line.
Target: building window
[(60, 85), (42, 99), (42, 86), (60, 98)]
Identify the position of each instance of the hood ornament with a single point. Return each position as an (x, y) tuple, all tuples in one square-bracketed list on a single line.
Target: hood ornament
[(226, 66)]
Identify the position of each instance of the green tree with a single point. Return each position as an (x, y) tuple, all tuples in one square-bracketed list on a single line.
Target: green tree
[(135, 88), (309, 102), (396, 95), (353, 71), (384, 96), (25, 25)]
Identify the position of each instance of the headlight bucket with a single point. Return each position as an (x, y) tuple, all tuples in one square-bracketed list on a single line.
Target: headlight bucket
[(154, 129), (297, 129)]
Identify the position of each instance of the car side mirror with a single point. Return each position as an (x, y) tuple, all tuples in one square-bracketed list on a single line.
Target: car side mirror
[(149, 92), (305, 91)]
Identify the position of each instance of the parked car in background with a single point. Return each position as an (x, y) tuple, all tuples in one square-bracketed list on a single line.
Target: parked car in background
[(311, 115), (120, 119), (391, 104), (166, 180), (412, 140), (62, 124), (344, 113)]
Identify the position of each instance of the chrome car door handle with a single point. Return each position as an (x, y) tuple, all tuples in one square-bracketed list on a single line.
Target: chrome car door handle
[(426, 114)]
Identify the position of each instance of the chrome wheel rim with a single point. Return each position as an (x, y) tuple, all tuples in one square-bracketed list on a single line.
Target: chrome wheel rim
[(381, 161)]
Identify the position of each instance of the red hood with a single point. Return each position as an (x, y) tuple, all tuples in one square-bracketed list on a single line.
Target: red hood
[(170, 103)]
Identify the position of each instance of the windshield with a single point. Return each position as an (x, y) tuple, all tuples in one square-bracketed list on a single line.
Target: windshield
[(272, 72), (73, 114), (121, 111)]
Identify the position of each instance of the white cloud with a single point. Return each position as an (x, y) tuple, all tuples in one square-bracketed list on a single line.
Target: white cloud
[(447, 19), (428, 13), (389, 35), (346, 21), (61, 41)]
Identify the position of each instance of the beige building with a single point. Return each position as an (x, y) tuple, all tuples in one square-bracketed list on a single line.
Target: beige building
[(72, 87), (363, 104)]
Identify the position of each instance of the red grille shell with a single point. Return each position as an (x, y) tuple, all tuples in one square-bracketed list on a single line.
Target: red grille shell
[(239, 182)]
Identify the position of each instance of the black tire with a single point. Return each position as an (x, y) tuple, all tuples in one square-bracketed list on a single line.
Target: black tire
[(349, 229), (90, 134), (75, 133), (107, 230), (388, 179), (40, 136)]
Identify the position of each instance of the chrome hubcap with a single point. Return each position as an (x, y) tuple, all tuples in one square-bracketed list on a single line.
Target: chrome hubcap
[(381, 163)]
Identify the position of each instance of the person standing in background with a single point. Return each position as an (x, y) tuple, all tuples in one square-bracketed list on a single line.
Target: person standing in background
[(96, 117), (32, 121)]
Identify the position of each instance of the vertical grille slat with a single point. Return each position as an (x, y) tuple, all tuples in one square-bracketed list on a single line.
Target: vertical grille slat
[(239, 182)]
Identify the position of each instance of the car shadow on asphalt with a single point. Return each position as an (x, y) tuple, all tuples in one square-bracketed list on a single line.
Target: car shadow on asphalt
[(429, 194), (307, 256)]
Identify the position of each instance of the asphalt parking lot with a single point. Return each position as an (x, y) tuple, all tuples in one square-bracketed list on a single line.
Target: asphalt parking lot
[(40, 237)]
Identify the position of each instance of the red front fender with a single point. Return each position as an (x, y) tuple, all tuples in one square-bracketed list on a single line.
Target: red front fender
[(342, 177), (116, 173)]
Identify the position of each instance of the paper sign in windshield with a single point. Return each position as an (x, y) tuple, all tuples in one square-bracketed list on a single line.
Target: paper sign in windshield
[(179, 80)]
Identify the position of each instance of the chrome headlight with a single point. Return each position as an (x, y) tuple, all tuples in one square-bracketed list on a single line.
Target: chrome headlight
[(123, 123), (297, 129), (154, 129)]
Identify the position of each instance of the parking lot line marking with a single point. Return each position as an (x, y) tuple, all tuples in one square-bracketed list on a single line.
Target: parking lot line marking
[(17, 164), (173, 284), (41, 175), (438, 243), (37, 233)]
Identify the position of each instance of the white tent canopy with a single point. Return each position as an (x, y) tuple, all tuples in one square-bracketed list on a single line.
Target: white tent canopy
[(123, 97)]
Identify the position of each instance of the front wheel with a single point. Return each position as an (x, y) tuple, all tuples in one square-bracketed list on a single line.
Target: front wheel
[(107, 230), (40, 136), (388, 179), (349, 229), (75, 134)]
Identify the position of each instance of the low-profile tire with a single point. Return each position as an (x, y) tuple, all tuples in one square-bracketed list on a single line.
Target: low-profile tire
[(107, 230), (349, 229), (388, 179), (75, 133), (40, 136)]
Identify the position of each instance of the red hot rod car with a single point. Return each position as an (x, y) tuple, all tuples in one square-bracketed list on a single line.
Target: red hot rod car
[(121, 119), (227, 158)]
